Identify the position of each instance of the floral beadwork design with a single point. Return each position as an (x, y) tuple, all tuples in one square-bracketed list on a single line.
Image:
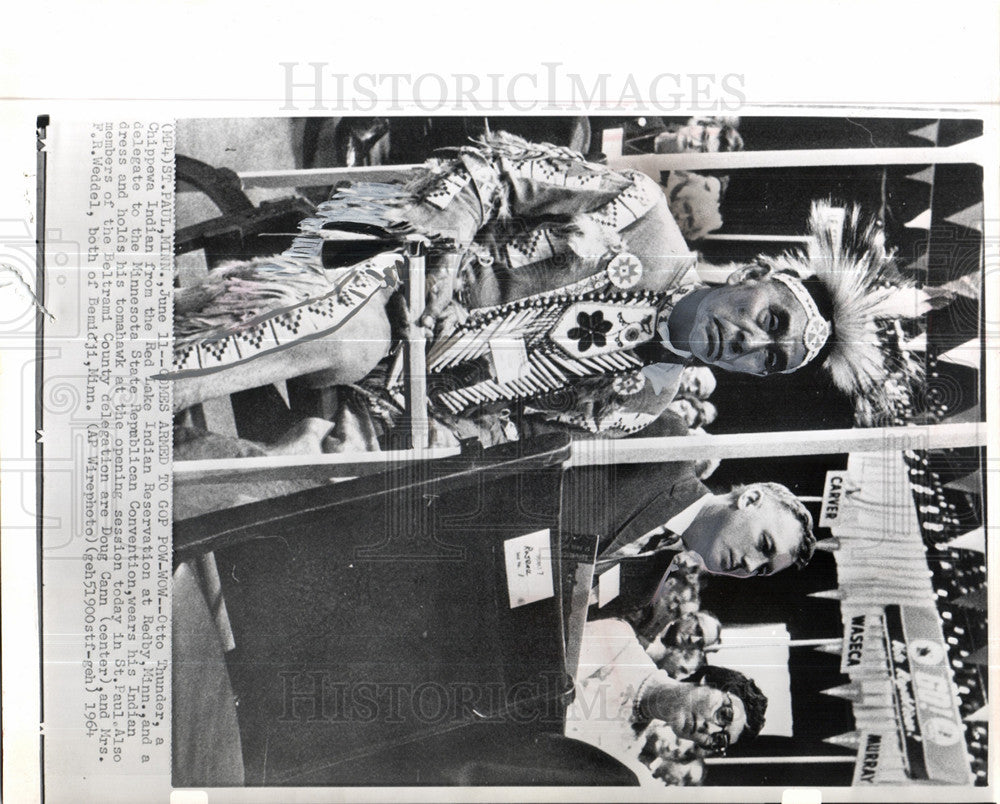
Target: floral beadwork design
[(590, 330)]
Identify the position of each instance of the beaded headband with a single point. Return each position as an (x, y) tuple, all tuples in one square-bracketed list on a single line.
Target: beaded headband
[(817, 329)]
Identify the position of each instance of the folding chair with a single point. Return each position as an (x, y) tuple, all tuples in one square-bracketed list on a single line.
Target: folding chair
[(237, 232)]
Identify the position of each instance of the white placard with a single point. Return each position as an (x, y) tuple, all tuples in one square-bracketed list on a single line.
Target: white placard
[(528, 560), (834, 512), (510, 359)]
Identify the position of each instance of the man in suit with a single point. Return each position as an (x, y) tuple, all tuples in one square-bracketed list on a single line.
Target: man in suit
[(645, 515)]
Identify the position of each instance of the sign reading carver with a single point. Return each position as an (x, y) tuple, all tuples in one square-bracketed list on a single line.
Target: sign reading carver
[(833, 513)]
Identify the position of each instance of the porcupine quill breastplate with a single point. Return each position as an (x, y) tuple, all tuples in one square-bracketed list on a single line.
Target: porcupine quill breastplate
[(544, 343)]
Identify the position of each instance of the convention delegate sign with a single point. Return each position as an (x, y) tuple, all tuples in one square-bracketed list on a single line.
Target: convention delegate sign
[(879, 759), (862, 632), (922, 694), (833, 513)]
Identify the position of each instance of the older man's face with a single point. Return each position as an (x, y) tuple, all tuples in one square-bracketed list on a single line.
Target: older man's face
[(755, 327), (696, 630), (694, 203), (697, 381), (709, 717), (683, 408)]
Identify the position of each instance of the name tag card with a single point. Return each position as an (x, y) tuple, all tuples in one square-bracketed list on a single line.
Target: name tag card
[(528, 561)]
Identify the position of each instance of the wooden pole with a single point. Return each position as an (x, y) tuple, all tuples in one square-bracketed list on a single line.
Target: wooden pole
[(604, 452), (823, 759), (299, 467), (654, 164), (321, 177), (786, 643), (776, 445), (758, 238), (416, 347)]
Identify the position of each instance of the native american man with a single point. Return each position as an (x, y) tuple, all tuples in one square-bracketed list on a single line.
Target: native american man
[(559, 285)]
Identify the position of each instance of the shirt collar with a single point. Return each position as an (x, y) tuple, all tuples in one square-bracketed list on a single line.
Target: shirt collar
[(662, 376), (682, 521)]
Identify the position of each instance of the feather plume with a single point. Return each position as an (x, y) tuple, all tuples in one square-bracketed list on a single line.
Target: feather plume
[(849, 257)]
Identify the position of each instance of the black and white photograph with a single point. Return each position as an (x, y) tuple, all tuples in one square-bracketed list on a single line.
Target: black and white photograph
[(505, 453), (434, 402)]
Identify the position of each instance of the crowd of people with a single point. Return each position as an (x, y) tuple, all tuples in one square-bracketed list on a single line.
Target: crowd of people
[(654, 660)]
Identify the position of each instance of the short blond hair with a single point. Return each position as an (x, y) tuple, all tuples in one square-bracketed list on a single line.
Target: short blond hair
[(781, 495)]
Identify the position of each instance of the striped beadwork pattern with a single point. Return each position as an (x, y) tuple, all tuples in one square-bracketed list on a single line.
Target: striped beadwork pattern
[(549, 368), (278, 329)]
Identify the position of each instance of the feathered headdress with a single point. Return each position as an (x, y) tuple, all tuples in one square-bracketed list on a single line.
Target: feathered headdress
[(848, 271)]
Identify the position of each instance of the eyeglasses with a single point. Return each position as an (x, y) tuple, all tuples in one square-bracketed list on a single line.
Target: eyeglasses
[(723, 717), (725, 713)]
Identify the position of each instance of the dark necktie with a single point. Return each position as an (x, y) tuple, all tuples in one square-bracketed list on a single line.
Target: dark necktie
[(657, 541)]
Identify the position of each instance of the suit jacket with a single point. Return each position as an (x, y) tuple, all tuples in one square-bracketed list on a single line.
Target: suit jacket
[(622, 503)]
